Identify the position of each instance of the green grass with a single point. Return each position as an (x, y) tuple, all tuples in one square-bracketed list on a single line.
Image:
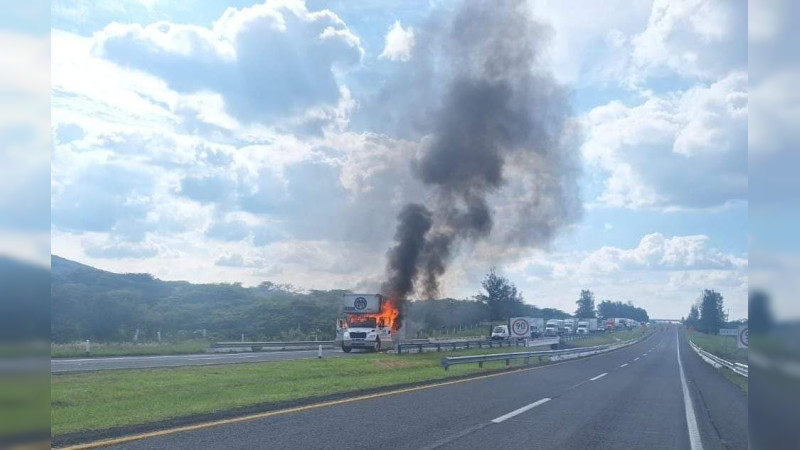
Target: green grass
[(722, 346), (468, 332), (725, 348), (107, 399), (78, 349)]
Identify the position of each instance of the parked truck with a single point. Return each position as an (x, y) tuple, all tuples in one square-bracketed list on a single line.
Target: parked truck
[(367, 323), (553, 327), (586, 326), (569, 326)]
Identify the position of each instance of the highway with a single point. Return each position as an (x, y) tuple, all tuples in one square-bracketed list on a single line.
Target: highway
[(143, 362), (656, 394)]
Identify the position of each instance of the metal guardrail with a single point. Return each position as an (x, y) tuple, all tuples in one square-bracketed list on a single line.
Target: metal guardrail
[(561, 354), (256, 346), (718, 362), (456, 345)]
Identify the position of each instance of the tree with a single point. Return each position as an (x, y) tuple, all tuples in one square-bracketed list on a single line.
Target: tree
[(693, 320), (712, 315), (585, 305), (608, 309), (502, 297)]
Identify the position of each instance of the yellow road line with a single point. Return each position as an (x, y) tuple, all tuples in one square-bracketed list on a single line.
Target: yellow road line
[(200, 426)]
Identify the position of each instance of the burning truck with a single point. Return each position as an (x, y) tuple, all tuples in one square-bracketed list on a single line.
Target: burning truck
[(369, 322)]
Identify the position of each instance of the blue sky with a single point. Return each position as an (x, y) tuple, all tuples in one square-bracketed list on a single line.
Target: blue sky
[(241, 141)]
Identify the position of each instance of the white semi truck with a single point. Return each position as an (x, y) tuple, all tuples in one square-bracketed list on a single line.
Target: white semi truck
[(569, 326), (553, 327), (368, 323), (586, 326)]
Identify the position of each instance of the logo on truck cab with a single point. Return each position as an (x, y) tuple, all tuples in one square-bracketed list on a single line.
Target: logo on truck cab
[(360, 303)]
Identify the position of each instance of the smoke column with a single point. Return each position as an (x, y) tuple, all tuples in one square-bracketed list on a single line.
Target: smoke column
[(479, 102)]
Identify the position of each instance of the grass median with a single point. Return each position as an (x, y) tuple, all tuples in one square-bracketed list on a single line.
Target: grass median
[(106, 399)]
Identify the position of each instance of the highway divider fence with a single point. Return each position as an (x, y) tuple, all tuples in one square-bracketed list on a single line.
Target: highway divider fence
[(718, 362)]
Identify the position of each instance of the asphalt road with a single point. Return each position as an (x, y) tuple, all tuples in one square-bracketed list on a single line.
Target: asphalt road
[(143, 362), (630, 398)]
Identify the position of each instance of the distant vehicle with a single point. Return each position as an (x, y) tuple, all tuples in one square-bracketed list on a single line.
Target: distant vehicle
[(586, 326), (569, 326), (500, 332), (553, 327), (537, 326), (369, 323)]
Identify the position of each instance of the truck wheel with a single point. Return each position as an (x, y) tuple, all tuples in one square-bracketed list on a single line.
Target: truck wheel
[(346, 349), (377, 345)]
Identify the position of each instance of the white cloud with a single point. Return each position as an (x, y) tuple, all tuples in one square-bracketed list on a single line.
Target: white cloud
[(662, 274), (680, 151), (268, 62), (399, 43), (692, 38)]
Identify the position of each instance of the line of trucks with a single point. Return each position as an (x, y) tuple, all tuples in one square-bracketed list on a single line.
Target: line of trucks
[(522, 327), (365, 324)]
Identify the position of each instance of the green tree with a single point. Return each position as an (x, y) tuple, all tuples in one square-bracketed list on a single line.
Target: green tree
[(501, 296), (693, 320), (585, 305), (712, 315)]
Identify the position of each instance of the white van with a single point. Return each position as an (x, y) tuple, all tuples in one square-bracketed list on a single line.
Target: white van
[(500, 332)]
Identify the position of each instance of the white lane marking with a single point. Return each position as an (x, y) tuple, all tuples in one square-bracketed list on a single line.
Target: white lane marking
[(635, 359), (521, 410), (624, 365), (599, 376), (691, 420)]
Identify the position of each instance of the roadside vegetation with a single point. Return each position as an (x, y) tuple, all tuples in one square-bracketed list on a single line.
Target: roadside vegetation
[(99, 400), (78, 349), (722, 346), (105, 399)]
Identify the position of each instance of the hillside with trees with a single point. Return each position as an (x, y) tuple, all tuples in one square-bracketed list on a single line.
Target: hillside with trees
[(88, 303)]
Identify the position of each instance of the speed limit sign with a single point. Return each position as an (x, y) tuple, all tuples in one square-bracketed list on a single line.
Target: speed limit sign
[(743, 337), (520, 327)]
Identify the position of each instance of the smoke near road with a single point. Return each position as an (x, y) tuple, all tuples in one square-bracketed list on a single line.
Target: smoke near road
[(478, 102)]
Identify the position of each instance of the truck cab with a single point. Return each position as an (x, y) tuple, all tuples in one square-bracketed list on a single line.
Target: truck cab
[(367, 333), (583, 327), (553, 327)]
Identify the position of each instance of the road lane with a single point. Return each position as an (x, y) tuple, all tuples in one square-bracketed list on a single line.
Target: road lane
[(412, 420), (637, 403)]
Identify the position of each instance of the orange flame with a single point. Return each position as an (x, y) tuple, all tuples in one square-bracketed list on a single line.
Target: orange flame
[(389, 315)]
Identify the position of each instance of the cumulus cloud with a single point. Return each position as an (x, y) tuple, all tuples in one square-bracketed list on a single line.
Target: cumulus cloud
[(656, 252), (681, 151), (399, 43), (269, 61), (693, 38)]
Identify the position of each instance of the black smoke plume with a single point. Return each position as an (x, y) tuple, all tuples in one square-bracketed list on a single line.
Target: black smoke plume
[(473, 95)]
